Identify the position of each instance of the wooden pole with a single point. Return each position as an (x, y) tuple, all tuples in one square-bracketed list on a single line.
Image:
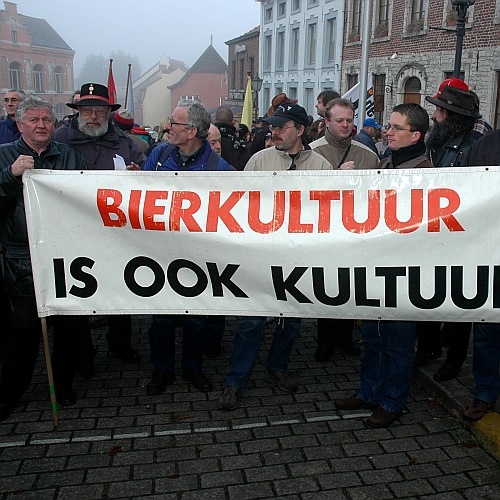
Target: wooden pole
[(49, 371), (128, 80)]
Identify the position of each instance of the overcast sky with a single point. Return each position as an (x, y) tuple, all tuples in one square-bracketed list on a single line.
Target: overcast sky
[(148, 29)]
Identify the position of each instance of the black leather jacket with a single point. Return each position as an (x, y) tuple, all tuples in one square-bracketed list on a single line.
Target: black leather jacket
[(18, 279)]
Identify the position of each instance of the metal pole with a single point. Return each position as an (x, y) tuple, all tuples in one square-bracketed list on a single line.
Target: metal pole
[(462, 7), (365, 53), (50, 376)]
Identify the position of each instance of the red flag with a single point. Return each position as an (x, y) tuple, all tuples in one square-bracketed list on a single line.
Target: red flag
[(111, 84)]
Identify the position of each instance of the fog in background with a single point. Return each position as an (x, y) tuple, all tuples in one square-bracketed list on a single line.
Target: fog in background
[(147, 29)]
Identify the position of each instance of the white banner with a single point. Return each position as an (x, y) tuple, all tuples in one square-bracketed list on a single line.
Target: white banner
[(409, 245)]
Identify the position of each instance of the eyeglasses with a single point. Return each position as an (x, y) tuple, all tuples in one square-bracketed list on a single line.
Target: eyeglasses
[(176, 123), (396, 128), (101, 111), (12, 99), (280, 130)]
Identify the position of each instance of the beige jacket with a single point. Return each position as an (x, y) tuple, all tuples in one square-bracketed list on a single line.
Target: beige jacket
[(274, 159), (334, 149)]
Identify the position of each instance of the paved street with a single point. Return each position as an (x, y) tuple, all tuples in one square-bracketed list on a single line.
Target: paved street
[(116, 442)]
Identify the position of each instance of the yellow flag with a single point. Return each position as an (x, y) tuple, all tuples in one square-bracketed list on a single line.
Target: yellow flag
[(246, 116)]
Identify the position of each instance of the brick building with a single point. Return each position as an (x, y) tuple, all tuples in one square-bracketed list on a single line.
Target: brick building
[(412, 50), (206, 80), (34, 58), (243, 56)]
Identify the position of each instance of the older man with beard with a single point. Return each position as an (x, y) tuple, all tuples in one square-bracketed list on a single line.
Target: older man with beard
[(447, 144), (91, 133)]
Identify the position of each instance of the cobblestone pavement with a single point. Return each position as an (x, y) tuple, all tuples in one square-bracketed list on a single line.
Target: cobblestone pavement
[(118, 443)]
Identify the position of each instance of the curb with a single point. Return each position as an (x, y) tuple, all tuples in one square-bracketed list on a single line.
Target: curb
[(454, 396)]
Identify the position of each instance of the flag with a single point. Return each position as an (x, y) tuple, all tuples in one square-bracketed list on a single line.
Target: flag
[(111, 84), (130, 92), (246, 116)]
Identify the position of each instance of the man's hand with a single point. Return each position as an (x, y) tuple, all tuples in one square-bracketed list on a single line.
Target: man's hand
[(133, 166), (21, 164), (348, 165)]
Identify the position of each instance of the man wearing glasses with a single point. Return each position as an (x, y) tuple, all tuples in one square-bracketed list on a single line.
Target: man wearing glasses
[(389, 357), (291, 152), (8, 127), (91, 133), (187, 150)]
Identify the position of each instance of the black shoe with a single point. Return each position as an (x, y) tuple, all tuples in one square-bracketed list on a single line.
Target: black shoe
[(5, 410), (66, 397), (446, 372), (199, 381), (128, 354), (323, 354), (213, 349), (159, 382), (350, 348)]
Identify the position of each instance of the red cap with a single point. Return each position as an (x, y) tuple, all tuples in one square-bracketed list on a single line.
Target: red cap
[(456, 83)]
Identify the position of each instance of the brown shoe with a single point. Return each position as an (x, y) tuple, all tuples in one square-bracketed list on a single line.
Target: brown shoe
[(477, 409), (382, 418), (353, 403)]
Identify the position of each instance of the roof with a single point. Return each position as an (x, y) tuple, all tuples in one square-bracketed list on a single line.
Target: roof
[(209, 62), (43, 34), (249, 34)]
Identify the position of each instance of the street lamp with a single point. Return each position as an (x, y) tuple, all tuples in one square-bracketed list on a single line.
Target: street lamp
[(462, 6), (256, 86)]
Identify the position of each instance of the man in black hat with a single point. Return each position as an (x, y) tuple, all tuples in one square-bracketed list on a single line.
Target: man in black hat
[(450, 137), (291, 152), (91, 133), (447, 145)]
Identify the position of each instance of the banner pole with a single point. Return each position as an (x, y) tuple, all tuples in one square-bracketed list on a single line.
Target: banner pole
[(49, 371)]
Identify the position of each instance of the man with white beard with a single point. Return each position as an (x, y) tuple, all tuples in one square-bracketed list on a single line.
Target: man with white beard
[(91, 133)]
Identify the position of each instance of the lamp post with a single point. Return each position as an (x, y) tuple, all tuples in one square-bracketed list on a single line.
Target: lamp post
[(256, 86), (462, 6)]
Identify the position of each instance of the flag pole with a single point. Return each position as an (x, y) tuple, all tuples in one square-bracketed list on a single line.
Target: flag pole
[(128, 80), (49, 371)]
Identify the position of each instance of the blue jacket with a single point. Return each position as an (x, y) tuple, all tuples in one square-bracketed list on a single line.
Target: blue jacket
[(174, 162), (9, 131), (365, 139)]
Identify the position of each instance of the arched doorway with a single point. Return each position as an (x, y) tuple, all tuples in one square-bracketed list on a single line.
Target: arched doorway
[(412, 90)]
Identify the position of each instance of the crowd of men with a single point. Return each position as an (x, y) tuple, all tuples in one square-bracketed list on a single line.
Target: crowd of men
[(282, 140)]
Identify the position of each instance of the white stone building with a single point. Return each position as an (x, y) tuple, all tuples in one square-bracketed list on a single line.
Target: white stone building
[(300, 49)]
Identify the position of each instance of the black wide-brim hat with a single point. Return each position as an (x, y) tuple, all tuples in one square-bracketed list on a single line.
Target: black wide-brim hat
[(455, 100), (93, 94)]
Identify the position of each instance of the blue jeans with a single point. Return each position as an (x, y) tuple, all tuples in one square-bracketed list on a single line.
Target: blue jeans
[(246, 343), (387, 366), (162, 343), (486, 361)]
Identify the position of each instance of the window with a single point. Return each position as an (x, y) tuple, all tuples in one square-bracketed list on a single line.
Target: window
[(38, 77), (280, 50), (312, 3), (191, 97), (417, 10), (412, 90), (295, 6), (243, 75), (281, 10), (379, 97), (311, 44), (268, 14), (292, 92), (60, 111), (15, 75), (58, 79), (449, 74), (13, 36), (309, 100), (268, 51), (352, 80), (330, 35), (356, 17), (294, 48), (383, 11), (233, 75)]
